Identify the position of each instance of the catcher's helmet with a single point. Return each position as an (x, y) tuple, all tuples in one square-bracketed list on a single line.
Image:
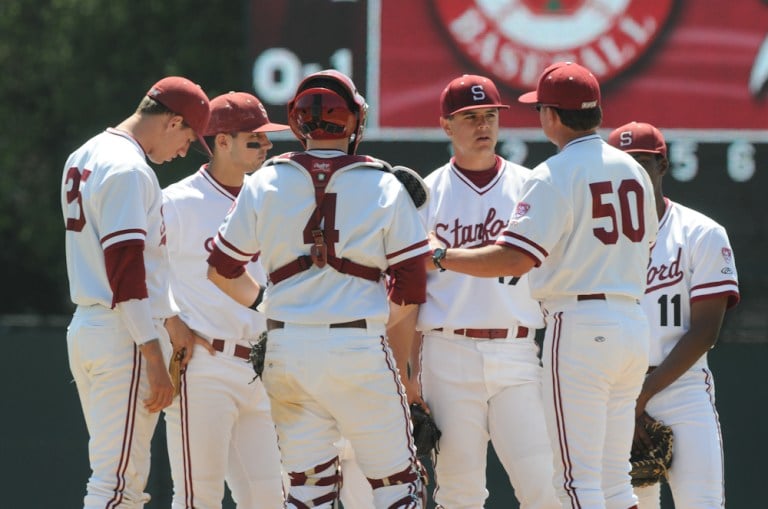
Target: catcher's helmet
[(327, 106)]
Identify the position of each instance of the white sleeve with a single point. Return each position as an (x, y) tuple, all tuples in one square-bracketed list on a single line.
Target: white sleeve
[(236, 236), (137, 317), (713, 267), (537, 222), (406, 237)]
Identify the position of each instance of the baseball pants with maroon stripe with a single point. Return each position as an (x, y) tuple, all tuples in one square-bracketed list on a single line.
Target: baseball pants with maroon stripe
[(696, 475), (220, 428), (111, 380), (595, 355), (324, 383)]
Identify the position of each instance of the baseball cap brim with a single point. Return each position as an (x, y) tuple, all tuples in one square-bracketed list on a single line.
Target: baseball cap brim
[(270, 127), (529, 98), (480, 106), (205, 146)]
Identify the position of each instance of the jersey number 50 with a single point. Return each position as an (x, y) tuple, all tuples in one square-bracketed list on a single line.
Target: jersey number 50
[(75, 216), (630, 198)]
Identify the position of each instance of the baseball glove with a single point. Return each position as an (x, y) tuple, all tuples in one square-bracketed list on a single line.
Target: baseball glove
[(257, 355), (426, 434), (650, 466), (174, 369)]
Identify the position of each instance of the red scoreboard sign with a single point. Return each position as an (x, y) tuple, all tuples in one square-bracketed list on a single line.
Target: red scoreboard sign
[(683, 65)]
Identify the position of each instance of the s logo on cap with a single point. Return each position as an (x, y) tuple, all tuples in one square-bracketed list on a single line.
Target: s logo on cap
[(478, 94)]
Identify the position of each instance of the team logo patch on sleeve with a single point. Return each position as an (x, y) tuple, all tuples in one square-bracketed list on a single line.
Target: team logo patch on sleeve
[(727, 255), (521, 210)]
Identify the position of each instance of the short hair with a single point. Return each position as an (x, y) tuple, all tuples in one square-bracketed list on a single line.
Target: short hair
[(149, 106), (581, 120), (152, 107), (211, 140)]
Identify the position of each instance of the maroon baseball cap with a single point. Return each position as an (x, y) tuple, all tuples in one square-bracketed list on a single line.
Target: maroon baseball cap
[(638, 137), (239, 112), (467, 92), (184, 98), (565, 85)]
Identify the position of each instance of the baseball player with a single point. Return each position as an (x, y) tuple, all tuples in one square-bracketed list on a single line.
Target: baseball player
[(585, 220), (118, 274), (328, 223), (220, 427), (480, 367), (691, 281)]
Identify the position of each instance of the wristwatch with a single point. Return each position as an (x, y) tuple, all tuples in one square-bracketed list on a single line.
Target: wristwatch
[(437, 256)]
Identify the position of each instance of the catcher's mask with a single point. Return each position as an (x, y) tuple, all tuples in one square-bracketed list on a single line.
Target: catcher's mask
[(327, 106)]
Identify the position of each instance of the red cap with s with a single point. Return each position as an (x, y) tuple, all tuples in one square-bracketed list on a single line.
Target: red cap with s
[(468, 92), (639, 137)]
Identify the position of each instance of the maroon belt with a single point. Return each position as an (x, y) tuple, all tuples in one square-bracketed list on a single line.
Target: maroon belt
[(590, 296), (240, 351), (522, 332), (354, 324)]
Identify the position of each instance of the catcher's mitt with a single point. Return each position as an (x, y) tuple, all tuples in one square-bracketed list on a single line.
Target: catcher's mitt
[(174, 369), (426, 434), (257, 355), (650, 466)]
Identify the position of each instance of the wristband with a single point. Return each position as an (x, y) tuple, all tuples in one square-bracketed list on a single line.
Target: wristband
[(437, 257), (258, 300)]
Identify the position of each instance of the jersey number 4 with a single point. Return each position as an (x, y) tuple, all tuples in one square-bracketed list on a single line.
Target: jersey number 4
[(630, 199), (75, 215), (325, 213)]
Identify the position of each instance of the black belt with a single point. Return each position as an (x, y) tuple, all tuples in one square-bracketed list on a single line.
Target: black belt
[(240, 350), (590, 296), (650, 369), (354, 324)]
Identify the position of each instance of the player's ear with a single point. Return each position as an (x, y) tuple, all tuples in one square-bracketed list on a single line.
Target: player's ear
[(663, 165), (446, 125), (176, 121)]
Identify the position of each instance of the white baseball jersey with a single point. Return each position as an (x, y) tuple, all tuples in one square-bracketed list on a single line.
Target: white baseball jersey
[(464, 215), (110, 195), (376, 223), (692, 259), (594, 253), (189, 247)]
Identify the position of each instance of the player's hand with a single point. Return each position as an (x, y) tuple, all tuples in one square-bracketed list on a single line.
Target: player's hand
[(183, 338), (642, 442), (434, 242), (160, 385)]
